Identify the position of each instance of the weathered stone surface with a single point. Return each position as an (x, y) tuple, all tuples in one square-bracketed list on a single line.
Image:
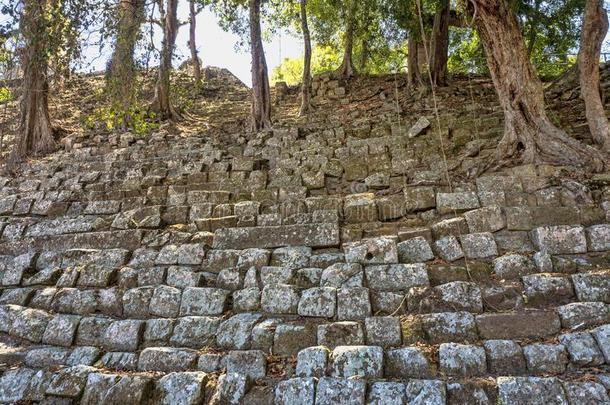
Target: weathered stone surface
[(236, 332), (386, 393), (123, 361), (332, 391), (602, 337), (531, 391), (562, 239), (60, 330), (195, 331), (547, 288), (599, 237), (545, 358), (383, 331), (579, 315), (423, 392), (479, 245), (291, 257), (313, 235), (449, 327), (165, 302), (280, 299), (340, 275), (312, 362), (318, 302), (357, 361), (487, 219), (448, 248), (182, 388), (29, 324), (231, 389), (453, 296), (594, 286), (295, 391), (504, 357), (111, 389), (251, 363), (124, 335), (353, 303), (360, 208), (415, 250), (166, 359), (69, 382), (344, 333), (14, 385), (447, 203), (396, 277), (582, 348), (518, 325), (513, 266), (462, 360), (288, 339), (248, 299), (203, 301), (372, 251), (587, 392), (406, 362)]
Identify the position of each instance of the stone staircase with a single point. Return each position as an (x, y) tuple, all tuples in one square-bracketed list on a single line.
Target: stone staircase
[(319, 263)]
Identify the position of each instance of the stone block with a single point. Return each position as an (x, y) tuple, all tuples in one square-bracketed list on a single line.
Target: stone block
[(406, 362), (312, 362), (479, 245), (462, 360), (372, 251), (415, 250), (504, 357), (531, 391), (353, 303), (332, 391), (346, 333), (383, 331), (545, 358), (532, 324), (561, 239), (166, 359), (318, 302)]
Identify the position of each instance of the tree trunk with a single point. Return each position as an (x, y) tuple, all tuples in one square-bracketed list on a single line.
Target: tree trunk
[(529, 135), (413, 72), (35, 131), (594, 29), (440, 45), (261, 98), (169, 22), (122, 68), (347, 69), (193, 42), (306, 86)]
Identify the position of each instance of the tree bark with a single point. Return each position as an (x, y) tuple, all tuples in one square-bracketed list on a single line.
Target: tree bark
[(35, 131), (169, 22), (440, 44), (122, 68), (347, 69), (413, 72), (306, 85), (261, 98), (529, 135), (594, 29), (193, 42)]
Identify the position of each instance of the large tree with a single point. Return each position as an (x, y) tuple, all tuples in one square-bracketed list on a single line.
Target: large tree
[(168, 10), (261, 94), (306, 83), (439, 49), (594, 29), (35, 131), (529, 135), (193, 11), (122, 70), (347, 66)]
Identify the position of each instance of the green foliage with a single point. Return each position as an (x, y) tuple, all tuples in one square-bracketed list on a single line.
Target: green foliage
[(6, 95), (141, 122), (323, 59), (466, 54)]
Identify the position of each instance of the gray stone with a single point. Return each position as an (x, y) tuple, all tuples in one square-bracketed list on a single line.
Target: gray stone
[(44, 357), (487, 219), (479, 245), (462, 360), (313, 235), (504, 357), (60, 330), (291, 257), (406, 362), (83, 356), (312, 362), (295, 391), (360, 208), (231, 389), (209, 362), (110, 389), (157, 332), (280, 299), (288, 339), (183, 277), (263, 333), (545, 358), (182, 388), (165, 302), (383, 331), (251, 363), (190, 254), (166, 359), (30, 324), (248, 299), (579, 315), (561, 239), (599, 237), (543, 261), (195, 331), (425, 392), (582, 348), (340, 334), (353, 303), (415, 250), (447, 203), (531, 391), (137, 301), (119, 361), (357, 361), (460, 296), (586, 393), (396, 277), (203, 301), (372, 251), (386, 393), (340, 275), (593, 286), (449, 327), (332, 391), (513, 266), (318, 302), (69, 382), (602, 337), (542, 288), (419, 127), (236, 332), (123, 335), (14, 385), (448, 248)]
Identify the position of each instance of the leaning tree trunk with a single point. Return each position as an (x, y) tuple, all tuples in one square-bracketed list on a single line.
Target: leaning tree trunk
[(169, 22), (35, 130), (347, 69), (261, 98), (193, 42), (306, 86), (413, 72), (440, 45), (122, 67), (529, 135), (594, 29)]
